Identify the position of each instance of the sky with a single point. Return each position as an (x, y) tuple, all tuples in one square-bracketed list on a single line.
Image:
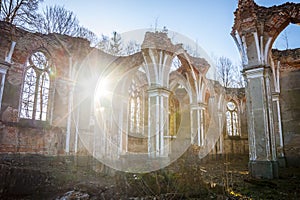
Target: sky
[(207, 22)]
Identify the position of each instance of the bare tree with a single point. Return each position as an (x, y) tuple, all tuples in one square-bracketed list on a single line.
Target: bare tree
[(111, 45), (87, 34), (103, 43), (115, 44), (193, 51), (18, 12), (225, 71), (229, 75), (131, 48), (56, 19)]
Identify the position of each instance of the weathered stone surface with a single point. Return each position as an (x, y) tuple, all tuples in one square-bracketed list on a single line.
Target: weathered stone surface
[(158, 40), (250, 17), (255, 29), (74, 61), (31, 140), (30, 136)]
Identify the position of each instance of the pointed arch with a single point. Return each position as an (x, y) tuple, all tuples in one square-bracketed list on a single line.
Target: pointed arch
[(36, 87), (232, 119)]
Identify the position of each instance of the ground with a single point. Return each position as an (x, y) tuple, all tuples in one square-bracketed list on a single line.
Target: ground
[(68, 177)]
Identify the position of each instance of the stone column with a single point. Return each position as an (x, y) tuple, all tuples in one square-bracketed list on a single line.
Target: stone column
[(262, 163), (70, 105), (220, 120), (69, 119), (123, 127), (197, 124), (158, 122), (77, 110), (3, 70), (280, 157)]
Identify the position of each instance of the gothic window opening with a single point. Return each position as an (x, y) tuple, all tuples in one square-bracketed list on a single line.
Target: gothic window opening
[(135, 110), (232, 126), (35, 94), (174, 116)]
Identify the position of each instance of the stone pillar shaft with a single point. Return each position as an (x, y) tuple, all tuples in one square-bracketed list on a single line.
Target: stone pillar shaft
[(262, 146), (197, 124), (3, 70), (278, 123), (220, 117), (158, 122), (279, 134)]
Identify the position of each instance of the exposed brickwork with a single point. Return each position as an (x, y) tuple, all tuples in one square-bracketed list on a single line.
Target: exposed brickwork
[(249, 16), (255, 29), (87, 64), (289, 59), (26, 136), (159, 40), (49, 141)]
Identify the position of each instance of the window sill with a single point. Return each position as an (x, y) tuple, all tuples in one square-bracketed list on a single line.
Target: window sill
[(29, 123), (236, 137)]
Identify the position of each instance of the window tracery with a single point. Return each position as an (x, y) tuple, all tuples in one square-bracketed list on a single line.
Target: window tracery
[(35, 93), (174, 116), (135, 109), (232, 125)]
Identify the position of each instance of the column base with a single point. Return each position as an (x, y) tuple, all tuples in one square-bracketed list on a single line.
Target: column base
[(263, 169), (281, 161)]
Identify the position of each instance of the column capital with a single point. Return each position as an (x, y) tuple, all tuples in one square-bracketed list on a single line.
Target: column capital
[(275, 96), (256, 71), (198, 106), (158, 91)]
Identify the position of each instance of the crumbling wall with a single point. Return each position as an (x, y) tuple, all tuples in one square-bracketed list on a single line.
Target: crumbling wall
[(48, 141), (76, 70), (289, 63), (255, 29), (31, 136)]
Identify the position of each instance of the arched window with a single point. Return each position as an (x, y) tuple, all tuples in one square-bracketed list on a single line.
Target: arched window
[(174, 116), (232, 125), (35, 94), (135, 109)]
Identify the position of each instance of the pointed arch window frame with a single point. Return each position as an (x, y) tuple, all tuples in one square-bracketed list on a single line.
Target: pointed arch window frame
[(36, 88), (136, 110), (232, 120)]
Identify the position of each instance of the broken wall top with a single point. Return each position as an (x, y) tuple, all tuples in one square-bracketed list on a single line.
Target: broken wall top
[(251, 17), (289, 59), (58, 47)]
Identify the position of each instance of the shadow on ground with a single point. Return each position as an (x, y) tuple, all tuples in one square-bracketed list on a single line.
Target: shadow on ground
[(82, 177)]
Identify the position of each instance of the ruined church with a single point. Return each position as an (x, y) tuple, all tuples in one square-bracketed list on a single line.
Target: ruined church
[(60, 96)]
